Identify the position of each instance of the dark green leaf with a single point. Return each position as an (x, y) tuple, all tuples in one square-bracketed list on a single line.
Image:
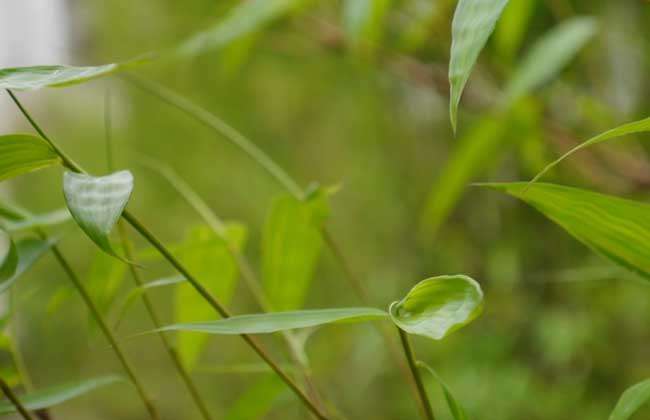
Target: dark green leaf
[(22, 153), (631, 400), (456, 409)]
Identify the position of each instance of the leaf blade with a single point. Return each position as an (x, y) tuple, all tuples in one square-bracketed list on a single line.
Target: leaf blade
[(23, 153), (28, 252), (631, 400), (456, 409)]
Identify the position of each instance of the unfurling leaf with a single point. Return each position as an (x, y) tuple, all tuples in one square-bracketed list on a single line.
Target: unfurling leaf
[(473, 23), (96, 203), (632, 399), (456, 409), (22, 153), (616, 228), (437, 306), (28, 251), (55, 395), (8, 257)]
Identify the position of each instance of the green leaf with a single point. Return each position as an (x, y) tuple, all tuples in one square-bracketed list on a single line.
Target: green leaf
[(549, 55), (280, 321), (456, 409), (631, 400), (53, 218), (291, 244), (363, 21), (616, 228), (511, 29), (22, 153), (245, 18), (55, 395), (104, 278), (28, 251), (208, 257), (473, 23), (8, 257), (257, 400), (96, 203), (634, 127), (438, 306)]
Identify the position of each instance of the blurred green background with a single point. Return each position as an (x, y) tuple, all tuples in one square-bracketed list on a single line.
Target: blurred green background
[(563, 333)]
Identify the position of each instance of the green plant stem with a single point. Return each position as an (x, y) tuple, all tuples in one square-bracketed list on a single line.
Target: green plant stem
[(153, 240), (6, 389), (422, 393)]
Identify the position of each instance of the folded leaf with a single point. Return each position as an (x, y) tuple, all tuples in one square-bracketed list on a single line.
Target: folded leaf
[(473, 23), (616, 228), (96, 203), (55, 395), (631, 400), (8, 257), (456, 409), (437, 306), (22, 153), (280, 321), (28, 251)]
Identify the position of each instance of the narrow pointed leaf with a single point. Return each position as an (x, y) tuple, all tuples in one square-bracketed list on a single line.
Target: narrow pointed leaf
[(28, 251), (631, 401), (55, 395), (437, 306), (136, 292), (53, 218), (549, 55), (280, 321), (96, 203), (22, 153), (455, 408), (8, 257), (616, 228), (473, 23)]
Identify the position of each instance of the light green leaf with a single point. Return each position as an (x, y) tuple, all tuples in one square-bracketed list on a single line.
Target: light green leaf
[(22, 153), (257, 400), (549, 55), (96, 203), (363, 21), (616, 228), (438, 306), (53, 218), (473, 23), (634, 127), (206, 255), (8, 257), (456, 409), (280, 321), (243, 19), (55, 395), (28, 251), (631, 400), (291, 244)]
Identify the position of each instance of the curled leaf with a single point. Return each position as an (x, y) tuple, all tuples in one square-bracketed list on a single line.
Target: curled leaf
[(22, 153)]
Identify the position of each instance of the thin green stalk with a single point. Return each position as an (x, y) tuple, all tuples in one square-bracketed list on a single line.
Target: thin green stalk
[(153, 240), (427, 411), (6, 389)]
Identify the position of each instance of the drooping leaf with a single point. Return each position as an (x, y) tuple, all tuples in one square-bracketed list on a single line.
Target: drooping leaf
[(22, 153), (53, 218), (455, 408), (291, 244), (549, 55), (8, 257), (257, 400), (616, 228), (632, 399), (55, 395), (473, 23), (96, 203), (271, 322), (363, 21), (206, 255), (28, 251), (634, 127), (438, 306), (243, 19)]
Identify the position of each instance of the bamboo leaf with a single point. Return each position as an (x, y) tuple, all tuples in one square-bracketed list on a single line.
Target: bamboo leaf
[(632, 399), (55, 395), (473, 22), (22, 153), (437, 306), (456, 409), (616, 228), (549, 55), (257, 400), (363, 21), (280, 321), (8, 257), (52, 218), (96, 203), (27, 252)]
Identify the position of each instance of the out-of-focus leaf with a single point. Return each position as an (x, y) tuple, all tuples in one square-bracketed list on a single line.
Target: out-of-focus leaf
[(291, 244), (634, 127), (511, 29), (96, 203), (55, 395), (616, 228), (22, 153), (27, 251), (8, 257), (632, 399), (454, 407), (257, 400), (11, 212), (243, 19), (105, 276), (473, 23), (206, 255), (438, 306), (271, 322), (139, 291), (363, 21), (53, 218), (549, 55)]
